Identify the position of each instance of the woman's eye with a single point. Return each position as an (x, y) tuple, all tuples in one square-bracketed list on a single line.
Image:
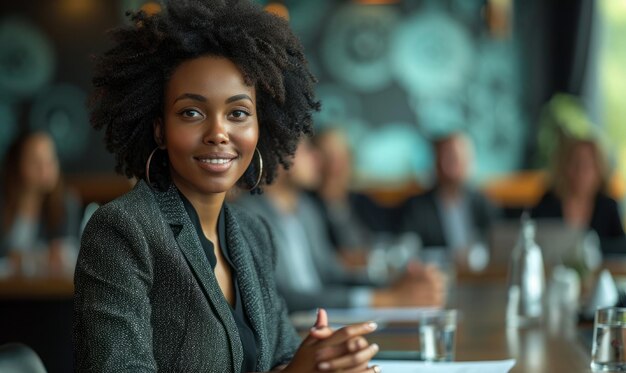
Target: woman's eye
[(191, 113), (239, 114)]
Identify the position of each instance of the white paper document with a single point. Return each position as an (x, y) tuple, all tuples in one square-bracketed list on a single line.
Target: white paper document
[(338, 316), (393, 366)]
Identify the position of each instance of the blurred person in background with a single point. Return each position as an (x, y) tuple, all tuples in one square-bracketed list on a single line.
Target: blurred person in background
[(578, 194), (333, 193), (39, 214), (354, 222), (309, 273), (451, 214)]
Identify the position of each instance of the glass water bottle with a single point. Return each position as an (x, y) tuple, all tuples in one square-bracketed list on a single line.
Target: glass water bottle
[(526, 279)]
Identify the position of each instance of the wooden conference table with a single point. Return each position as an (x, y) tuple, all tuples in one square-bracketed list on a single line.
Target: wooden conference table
[(482, 334), (559, 344), (36, 288)]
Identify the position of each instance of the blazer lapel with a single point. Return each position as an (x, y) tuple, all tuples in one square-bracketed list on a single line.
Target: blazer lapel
[(189, 244), (249, 286)]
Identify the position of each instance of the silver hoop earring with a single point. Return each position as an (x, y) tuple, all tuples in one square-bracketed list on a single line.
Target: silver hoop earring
[(258, 180), (148, 165)]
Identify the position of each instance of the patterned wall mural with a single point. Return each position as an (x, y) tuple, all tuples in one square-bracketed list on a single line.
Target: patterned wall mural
[(45, 74), (27, 64), (61, 111), (396, 76), (393, 76)]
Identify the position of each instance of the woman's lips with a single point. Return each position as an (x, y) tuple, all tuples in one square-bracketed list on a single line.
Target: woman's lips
[(218, 162)]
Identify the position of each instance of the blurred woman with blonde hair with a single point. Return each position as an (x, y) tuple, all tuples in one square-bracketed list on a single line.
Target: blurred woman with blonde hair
[(579, 193)]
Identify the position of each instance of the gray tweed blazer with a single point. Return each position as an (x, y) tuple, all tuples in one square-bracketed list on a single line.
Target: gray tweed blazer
[(146, 298)]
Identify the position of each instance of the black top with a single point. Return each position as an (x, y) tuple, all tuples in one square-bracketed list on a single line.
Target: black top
[(246, 335), (605, 219)]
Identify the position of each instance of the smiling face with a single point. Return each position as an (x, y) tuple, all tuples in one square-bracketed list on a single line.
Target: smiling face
[(210, 127)]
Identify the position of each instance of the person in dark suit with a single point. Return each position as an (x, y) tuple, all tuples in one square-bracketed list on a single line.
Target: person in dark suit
[(578, 194), (196, 99), (352, 218), (451, 214)]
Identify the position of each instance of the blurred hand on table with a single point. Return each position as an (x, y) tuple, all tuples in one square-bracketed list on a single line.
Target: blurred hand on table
[(422, 286)]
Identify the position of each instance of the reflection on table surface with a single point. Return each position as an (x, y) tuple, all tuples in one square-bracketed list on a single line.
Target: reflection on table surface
[(554, 346), (559, 344)]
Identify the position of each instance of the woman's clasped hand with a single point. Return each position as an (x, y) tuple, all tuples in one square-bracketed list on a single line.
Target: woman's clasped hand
[(326, 350)]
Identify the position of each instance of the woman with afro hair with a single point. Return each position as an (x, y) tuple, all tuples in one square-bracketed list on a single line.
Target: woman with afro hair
[(194, 100)]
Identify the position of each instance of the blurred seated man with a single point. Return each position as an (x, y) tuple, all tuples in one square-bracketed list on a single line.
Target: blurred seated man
[(333, 195), (578, 194), (353, 220), (39, 216), (308, 273), (451, 214)]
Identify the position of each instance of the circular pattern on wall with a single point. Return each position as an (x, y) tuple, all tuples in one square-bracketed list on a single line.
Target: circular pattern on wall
[(500, 137), (26, 58), (496, 72), (341, 109), (468, 9), (305, 17), (355, 47), (393, 152), (494, 111), (438, 116), (337, 105), (61, 111), (431, 54)]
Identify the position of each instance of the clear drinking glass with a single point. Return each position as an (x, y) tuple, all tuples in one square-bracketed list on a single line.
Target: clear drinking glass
[(608, 352), (437, 331)]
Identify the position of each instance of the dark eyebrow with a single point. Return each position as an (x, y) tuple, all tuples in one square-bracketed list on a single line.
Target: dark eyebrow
[(242, 96), (192, 96)]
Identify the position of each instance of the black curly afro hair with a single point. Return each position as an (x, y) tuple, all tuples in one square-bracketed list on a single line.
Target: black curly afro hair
[(130, 79)]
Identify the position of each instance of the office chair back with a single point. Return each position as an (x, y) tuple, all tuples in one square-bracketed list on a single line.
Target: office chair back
[(19, 358)]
